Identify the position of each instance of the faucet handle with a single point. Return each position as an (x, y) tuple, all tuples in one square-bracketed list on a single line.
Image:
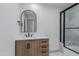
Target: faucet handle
[(32, 35), (26, 35)]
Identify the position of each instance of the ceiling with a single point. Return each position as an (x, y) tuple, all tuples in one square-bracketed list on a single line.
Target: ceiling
[(61, 5)]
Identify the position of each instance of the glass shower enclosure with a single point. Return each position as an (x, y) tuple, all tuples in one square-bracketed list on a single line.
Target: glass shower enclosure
[(69, 28)]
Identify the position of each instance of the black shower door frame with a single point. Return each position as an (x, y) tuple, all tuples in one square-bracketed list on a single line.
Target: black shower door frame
[(62, 29)]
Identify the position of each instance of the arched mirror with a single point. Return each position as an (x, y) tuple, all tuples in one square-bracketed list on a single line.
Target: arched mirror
[(29, 21)]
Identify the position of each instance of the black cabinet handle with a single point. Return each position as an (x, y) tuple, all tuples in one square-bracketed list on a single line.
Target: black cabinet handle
[(28, 45)]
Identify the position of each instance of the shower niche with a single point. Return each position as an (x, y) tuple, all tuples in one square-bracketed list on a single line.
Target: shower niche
[(69, 28)]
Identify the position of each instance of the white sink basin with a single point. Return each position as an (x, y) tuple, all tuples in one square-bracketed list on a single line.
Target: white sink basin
[(35, 36)]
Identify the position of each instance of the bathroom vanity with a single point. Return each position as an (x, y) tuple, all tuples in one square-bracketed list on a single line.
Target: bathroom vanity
[(29, 44), (32, 47)]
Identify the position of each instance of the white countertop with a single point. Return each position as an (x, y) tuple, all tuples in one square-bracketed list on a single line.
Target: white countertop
[(36, 36)]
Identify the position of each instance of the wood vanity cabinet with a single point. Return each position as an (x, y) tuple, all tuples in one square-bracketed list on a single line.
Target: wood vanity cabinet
[(37, 47)]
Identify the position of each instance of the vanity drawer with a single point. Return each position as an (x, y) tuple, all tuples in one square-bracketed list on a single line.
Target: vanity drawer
[(44, 52), (44, 47), (44, 42)]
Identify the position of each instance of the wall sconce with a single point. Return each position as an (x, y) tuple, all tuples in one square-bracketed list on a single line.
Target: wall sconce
[(19, 23)]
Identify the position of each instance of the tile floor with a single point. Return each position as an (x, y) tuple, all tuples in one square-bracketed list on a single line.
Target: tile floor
[(65, 52)]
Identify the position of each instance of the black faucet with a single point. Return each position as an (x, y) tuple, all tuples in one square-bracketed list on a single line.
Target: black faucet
[(29, 35)]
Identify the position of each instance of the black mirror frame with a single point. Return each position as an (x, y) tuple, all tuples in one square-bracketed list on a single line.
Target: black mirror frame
[(24, 22)]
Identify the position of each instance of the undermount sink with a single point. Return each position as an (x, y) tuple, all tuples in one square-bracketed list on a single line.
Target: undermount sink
[(34, 36)]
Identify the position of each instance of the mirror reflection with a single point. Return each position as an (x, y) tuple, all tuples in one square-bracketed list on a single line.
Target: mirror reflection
[(29, 21)]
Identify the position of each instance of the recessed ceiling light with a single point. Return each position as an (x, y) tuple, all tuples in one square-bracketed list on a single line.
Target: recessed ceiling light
[(34, 5)]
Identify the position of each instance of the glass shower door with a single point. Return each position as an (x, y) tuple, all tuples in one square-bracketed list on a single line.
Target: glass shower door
[(72, 28)]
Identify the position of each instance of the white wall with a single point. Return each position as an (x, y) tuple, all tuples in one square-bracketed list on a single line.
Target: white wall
[(47, 21), (8, 28)]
